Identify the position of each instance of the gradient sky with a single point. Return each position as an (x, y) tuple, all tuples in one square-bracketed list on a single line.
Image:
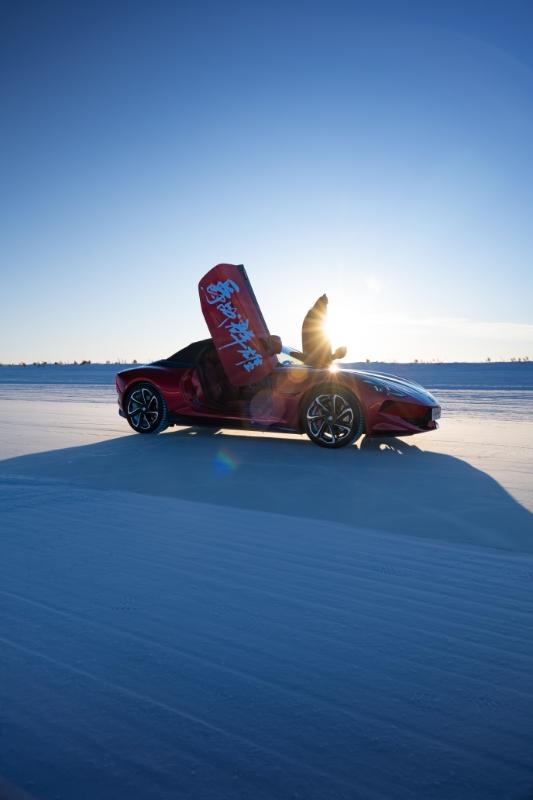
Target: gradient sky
[(380, 152)]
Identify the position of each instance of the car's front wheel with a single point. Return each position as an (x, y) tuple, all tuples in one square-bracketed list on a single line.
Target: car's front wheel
[(146, 409), (332, 417)]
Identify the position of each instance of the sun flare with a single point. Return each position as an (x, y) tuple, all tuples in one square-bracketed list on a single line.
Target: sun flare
[(339, 326)]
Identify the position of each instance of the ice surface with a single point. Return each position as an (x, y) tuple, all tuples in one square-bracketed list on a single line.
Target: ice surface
[(218, 615)]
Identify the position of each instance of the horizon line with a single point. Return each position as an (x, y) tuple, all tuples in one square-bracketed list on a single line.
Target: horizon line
[(134, 362)]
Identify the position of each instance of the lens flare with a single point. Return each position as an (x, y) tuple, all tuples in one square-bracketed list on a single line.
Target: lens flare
[(224, 462)]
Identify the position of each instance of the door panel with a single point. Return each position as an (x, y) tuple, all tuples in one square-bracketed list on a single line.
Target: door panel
[(236, 324)]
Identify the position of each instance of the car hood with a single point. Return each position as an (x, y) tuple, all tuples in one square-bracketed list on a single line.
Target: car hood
[(402, 385)]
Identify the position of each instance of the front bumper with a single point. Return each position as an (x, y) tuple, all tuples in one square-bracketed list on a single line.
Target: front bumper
[(404, 417)]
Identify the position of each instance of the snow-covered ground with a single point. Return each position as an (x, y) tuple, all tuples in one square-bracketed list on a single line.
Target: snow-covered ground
[(224, 615)]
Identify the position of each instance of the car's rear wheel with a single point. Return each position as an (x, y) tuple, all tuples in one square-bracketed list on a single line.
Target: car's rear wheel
[(146, 409), (332, 417)]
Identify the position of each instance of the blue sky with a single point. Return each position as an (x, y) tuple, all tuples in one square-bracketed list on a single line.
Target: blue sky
[(380, 152)]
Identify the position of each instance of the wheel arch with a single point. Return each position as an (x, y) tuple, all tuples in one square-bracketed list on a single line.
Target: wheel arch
[(329, 385), (138, 381)]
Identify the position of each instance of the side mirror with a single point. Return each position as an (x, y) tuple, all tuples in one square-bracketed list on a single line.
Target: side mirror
[(272, 345), (340, 352)]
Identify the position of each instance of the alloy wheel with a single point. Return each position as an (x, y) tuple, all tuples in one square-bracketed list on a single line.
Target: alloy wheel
[(143, 409), (330, 419)]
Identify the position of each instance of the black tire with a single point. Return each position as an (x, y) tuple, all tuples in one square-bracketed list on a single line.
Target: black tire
[(146, 409), (332, 417)]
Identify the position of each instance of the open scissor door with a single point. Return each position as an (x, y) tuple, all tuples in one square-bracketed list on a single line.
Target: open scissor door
[(236, 324)]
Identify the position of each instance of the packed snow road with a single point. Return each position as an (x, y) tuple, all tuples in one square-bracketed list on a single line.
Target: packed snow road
[(220, 615)]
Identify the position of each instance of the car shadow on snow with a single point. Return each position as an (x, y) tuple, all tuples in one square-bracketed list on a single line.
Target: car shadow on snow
[(387, 484)]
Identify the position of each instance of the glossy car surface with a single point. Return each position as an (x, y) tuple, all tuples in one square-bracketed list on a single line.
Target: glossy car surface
[(333, 406)]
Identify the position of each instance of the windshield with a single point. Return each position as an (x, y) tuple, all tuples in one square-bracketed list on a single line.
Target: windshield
[(290, 357)]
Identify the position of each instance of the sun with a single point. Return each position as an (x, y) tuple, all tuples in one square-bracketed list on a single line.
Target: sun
[(338, 324), (334, 329), (360, 327)]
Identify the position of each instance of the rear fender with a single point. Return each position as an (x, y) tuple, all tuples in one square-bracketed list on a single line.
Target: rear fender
[(168, 382)]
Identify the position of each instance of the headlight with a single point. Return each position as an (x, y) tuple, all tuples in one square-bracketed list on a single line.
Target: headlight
[(377, 387), (384, 387), (395, 391)]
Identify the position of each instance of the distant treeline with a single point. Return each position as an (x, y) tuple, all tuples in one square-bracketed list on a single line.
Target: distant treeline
[(83, 363), (87, 362)]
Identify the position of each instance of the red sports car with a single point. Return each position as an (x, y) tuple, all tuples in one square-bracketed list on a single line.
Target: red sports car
[(242, 377)]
